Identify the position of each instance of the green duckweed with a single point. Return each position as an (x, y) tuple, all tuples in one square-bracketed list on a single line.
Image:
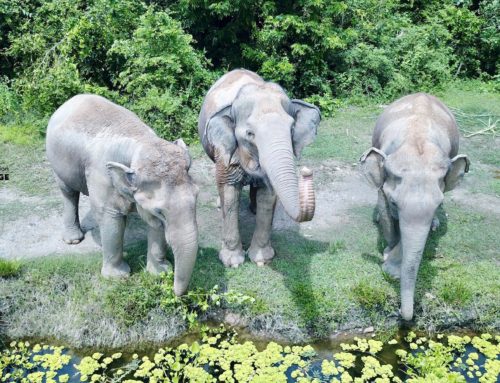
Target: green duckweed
[(220, 357)]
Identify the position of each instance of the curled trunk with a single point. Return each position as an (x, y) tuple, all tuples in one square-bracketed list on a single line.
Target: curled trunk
[(297, 196)]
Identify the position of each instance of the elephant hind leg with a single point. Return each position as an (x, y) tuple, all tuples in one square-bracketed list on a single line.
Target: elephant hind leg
[(253, 199), (72, 233), (435, 223), (392, 261)]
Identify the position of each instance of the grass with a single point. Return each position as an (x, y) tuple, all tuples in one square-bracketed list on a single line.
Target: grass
[(9, 268), (455, 292), (371, 297), (316, 285)]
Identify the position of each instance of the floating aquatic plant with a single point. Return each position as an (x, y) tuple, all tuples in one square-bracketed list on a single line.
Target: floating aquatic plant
[(220, 357)]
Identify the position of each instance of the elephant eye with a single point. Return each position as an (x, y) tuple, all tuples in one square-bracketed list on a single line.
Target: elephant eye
[(250, 134)]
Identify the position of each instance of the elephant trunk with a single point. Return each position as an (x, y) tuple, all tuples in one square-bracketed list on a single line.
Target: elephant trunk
[(184, 243), (413, 239), (296, 195)]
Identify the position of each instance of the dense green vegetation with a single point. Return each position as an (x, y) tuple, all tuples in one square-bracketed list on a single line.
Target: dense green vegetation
[(159, 57), (220, 357)]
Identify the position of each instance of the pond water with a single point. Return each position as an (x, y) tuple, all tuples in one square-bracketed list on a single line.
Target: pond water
[(324, 350)]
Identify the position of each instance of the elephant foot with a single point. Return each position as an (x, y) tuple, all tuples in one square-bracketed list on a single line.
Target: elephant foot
[(393, 269), (111, 271), (156, 268), (232, 258), (261, 255), (435, 224), (73, 235)]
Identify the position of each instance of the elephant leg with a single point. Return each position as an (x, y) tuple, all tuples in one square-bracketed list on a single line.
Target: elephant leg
[(112, 227), (231, 254), (157, 249), (392, 261), (435, 223), (387, 222), (72, 233), (392, 253), (253, 199), (260, 250)]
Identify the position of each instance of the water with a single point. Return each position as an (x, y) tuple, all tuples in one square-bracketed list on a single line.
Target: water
[(324, 349)]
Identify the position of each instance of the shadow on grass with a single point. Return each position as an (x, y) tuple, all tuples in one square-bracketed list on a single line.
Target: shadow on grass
[(427, 271), (294, 254)]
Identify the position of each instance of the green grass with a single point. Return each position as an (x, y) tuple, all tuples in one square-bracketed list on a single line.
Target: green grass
[(455, 292), (371, 297), (28, 168), (9, 268)]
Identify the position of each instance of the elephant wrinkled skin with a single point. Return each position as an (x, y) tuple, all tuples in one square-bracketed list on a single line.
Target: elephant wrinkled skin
[(252, 130), (413, 161), (102, 150)]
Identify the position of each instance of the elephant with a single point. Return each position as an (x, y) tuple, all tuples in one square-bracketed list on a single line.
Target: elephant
[(413, 160), (106, 152), (252, 130)]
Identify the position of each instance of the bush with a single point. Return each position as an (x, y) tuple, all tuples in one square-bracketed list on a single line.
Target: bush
[(164, 77), (155, 56)]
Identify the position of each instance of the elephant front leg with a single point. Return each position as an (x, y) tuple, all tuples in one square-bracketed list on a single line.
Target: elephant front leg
[(231, 254), (260, 250), (112, 228), (392, 253), (387, 222), (157, 248)]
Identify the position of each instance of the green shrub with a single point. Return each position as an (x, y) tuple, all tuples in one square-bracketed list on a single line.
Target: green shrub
[(131, 300), (164, 76)]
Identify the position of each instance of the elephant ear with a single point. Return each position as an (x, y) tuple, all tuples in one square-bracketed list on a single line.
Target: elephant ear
[(458, 167), (307, 118), (123, 179), (219, 132), (372, 166)]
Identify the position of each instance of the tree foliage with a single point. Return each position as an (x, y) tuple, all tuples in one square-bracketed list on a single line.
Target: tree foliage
[(159, 57)]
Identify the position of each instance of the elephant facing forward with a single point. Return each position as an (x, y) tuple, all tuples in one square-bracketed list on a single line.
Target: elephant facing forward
[(413, 161), (252, 130)]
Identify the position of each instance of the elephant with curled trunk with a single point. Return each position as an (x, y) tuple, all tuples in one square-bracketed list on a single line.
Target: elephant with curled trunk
[(102, 150), (413, 161), (252, 131)]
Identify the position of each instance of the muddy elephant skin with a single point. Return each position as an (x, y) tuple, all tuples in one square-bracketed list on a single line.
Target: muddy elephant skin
[(252, 131), (102, 150), (413, 161)]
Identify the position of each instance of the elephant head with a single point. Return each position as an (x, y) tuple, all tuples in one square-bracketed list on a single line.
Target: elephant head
[(261, 131), (158, 182), (413, 186)]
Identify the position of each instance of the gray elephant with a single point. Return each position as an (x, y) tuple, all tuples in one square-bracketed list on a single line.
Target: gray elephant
[(252, 130), (103, 150), (413, 161)]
